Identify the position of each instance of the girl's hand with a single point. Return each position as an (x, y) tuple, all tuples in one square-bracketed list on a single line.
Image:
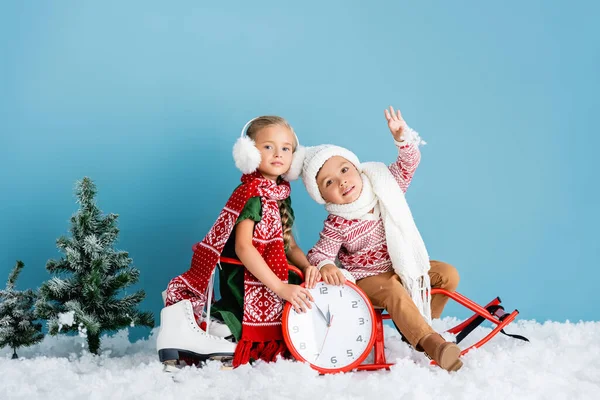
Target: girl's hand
[(332, 275), (311, 276), (395, 123), (297, 296)]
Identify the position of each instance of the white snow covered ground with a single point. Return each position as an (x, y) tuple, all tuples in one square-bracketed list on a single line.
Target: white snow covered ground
[(561, 362)]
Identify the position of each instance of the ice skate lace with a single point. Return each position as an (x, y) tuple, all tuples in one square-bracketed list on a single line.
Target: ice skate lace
[(189, 313)]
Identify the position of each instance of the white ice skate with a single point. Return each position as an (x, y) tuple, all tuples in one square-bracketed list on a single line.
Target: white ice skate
[(180, 339), (215, 328)]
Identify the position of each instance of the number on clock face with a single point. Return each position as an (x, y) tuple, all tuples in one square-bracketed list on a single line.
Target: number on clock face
[(336, 333)]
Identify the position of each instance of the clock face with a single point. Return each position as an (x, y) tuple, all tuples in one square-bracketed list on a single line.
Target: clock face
[(337, 334)]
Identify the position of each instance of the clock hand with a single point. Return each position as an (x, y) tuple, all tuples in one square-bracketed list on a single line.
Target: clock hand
[(322, 314), (328, 315), (323, 344)]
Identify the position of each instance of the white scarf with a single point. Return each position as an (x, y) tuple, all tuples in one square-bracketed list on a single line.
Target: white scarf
[(405, 245)]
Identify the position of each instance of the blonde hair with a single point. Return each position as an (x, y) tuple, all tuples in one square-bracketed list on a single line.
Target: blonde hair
[(267, 120), (254, 127)]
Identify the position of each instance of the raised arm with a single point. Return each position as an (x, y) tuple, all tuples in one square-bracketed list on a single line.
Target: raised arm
[(406, 164), (407, 141)]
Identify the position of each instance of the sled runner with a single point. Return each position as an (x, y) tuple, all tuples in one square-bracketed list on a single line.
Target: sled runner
[(492, 312)]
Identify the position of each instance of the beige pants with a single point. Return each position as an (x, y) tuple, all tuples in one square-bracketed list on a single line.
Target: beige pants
[(386, 290)]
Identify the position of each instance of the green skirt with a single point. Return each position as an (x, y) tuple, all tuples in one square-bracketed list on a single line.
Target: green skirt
[(230, 306)]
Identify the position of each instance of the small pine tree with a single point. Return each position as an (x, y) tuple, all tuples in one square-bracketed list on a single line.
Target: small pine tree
[(89, 277), (17, 326)]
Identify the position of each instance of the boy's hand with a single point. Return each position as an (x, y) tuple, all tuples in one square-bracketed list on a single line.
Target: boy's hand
[(395, 123), (332, 275), (311, 276)]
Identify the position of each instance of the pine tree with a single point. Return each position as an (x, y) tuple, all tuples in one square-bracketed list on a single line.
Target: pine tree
[(88, 278), (17, 326)]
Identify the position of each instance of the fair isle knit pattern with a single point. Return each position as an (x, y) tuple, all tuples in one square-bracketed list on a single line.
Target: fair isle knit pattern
[(360, 244)]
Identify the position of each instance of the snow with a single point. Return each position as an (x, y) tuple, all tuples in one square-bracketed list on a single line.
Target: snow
[(66, 319), (562, 361)]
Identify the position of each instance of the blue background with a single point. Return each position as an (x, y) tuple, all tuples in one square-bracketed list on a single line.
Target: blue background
[(148, 97)]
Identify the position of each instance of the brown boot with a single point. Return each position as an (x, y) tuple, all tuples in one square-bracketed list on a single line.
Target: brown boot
[(446, 354)]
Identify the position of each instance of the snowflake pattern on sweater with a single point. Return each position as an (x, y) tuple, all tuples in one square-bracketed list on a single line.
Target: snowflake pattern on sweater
[(360, 244)]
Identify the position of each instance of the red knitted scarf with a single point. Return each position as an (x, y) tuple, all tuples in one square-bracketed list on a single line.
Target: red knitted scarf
[(261, 324)]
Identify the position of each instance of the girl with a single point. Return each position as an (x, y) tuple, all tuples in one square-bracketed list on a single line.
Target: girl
[(371, 231), (259, 213)]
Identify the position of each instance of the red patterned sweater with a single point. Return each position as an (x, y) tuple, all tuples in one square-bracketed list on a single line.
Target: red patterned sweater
[(360, 244)]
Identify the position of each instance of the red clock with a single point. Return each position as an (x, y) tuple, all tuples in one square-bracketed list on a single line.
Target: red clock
[(337, 334)]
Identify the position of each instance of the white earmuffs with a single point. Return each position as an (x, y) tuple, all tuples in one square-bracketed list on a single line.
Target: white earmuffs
[(247, 156)]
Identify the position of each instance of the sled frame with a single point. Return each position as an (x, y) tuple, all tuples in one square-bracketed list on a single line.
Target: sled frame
[(499, 318)]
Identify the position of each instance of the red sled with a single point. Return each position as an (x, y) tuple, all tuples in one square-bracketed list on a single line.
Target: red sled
[(493, 312)]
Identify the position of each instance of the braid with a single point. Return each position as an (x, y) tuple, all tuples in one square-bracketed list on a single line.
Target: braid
[(286, 222)]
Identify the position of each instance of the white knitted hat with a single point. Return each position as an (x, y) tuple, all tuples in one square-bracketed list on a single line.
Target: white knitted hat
[(314, 158)]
